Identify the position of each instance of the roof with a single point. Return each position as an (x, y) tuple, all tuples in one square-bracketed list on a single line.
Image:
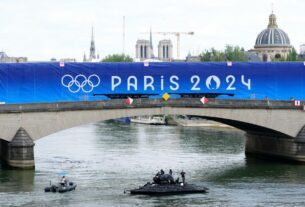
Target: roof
[(272, 36)]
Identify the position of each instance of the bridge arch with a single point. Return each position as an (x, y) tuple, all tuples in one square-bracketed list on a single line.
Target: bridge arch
[(41, 124), (274, 128)]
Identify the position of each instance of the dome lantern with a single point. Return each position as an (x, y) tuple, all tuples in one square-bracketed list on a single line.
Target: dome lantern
[(272, 21)]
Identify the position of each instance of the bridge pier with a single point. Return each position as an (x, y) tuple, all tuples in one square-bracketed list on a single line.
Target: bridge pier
[(275, 146), (19, 153)]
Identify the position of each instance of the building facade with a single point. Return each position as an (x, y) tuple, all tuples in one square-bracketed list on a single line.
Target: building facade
[(165, 50), (302, 52), (302, 49), (143, 50), (272, 43), (4, 58)]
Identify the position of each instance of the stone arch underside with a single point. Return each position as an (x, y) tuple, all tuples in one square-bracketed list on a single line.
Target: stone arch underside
[(41, 124), (247, 127)]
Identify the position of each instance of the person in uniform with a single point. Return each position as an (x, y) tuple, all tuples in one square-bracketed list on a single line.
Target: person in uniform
[(162, 172), (183, 176), (63, 181)]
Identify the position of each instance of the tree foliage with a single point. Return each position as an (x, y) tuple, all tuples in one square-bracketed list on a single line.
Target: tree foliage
[(291, 56), (231, 53), (117, 58), (235, 53)]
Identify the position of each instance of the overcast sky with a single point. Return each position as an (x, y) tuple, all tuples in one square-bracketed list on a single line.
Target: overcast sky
[(45, 29)]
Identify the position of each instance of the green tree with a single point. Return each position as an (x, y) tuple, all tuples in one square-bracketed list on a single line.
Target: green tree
[(117, 58), (217, 55), (292, 55), (205, 56), (231, 53), (235, 53), (212, 55)]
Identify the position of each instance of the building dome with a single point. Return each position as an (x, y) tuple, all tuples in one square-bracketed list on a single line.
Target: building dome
[(272, 36)]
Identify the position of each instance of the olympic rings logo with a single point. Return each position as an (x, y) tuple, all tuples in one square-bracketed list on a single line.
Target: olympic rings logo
[(80, 82)]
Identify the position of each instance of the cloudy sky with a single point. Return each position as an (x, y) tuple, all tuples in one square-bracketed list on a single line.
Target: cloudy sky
[(45, 29)]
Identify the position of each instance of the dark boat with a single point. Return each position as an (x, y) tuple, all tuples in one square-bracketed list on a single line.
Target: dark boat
[(164, 184), (168, 189), (61, 188)]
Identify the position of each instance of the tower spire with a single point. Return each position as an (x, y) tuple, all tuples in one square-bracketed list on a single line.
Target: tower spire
[(92, 47), (84, 59), (272, 7)]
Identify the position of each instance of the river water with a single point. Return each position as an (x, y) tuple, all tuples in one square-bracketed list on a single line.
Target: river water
[(105, 158)]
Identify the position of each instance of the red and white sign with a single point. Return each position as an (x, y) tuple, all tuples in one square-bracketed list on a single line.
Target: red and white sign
[(297, 103), (204, 100), (61, 64), (146, 63), (129, 101)]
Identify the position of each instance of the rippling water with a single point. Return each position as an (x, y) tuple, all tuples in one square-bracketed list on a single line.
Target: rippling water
[(106, 158)]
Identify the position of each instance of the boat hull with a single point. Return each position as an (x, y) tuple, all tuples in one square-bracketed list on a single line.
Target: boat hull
[(168, 189), (60, 189), (67, 189)]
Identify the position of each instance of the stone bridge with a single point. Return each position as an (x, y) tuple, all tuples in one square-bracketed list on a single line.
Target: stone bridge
[(273, 128)]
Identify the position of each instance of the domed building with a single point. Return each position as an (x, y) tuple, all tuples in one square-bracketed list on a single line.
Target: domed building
[(272, 42)]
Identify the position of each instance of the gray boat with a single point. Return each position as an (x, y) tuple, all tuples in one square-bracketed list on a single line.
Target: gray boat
[(164, 184), (60, 188)]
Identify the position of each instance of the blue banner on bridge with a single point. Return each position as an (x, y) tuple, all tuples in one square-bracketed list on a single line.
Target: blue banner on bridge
[(49, 82)]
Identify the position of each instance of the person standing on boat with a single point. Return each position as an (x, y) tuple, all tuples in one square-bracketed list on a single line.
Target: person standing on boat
[(63, 181), (171, 172), (162, 172), (156, 179), (183, 176)]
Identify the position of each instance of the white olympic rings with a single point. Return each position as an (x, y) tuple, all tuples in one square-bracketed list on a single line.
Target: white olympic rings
[(80, 82)]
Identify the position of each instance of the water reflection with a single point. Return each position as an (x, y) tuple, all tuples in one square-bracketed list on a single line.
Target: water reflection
[(16, 180), (207, 140), (257, 170)]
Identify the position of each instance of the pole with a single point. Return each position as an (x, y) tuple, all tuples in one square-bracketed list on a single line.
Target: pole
[(123, 35), (178, 45)]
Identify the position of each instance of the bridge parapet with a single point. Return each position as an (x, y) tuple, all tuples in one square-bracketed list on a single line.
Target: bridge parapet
[(147, 103)]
